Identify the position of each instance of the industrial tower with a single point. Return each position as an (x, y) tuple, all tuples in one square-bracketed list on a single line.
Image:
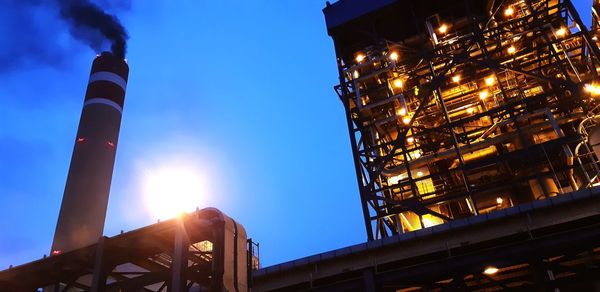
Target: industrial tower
[(475, 139), (461, 108)]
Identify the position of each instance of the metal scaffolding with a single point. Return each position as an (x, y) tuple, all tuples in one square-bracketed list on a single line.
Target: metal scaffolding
[(483, 105), (201, 251)]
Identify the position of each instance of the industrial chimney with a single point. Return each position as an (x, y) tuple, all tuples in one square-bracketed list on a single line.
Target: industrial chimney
[(84, 203)]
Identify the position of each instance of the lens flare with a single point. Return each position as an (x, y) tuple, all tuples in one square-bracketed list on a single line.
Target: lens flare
[(172, 190)]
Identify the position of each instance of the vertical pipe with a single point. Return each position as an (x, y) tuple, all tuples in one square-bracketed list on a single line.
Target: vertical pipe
[(180, 260), (83, 209)]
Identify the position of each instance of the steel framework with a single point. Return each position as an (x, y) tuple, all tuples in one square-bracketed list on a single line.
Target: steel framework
[(201, 251), (480, 108)]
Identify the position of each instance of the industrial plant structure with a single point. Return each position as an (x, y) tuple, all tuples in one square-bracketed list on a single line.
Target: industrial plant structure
[(475, 133), (83, 209), (462, 108), (475, 138), (202, 251)]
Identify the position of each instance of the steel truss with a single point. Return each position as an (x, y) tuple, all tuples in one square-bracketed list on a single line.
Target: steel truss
[(480, 117), (201, 251)]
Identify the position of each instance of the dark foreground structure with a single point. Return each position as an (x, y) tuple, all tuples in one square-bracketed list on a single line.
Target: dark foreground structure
[(474, 134), (201, 251), (538, 246)]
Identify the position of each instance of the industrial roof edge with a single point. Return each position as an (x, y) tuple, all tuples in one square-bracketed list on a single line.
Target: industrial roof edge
[(344, 11), (448, 226)]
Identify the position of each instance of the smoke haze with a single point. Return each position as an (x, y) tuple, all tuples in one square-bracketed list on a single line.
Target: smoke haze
[(37, 33), (88, 22)]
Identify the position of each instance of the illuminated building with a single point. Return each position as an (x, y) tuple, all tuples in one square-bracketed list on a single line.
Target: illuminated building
[(487, 179)]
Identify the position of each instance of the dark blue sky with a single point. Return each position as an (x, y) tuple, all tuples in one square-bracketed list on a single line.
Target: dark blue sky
[(241, 91)]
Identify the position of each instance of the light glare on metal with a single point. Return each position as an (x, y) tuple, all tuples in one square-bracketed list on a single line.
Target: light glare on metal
[(470, 110), (561, 32), (427, 222)]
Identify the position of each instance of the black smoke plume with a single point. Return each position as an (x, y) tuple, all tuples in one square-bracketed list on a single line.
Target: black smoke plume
[(88, 20), (45, 33)]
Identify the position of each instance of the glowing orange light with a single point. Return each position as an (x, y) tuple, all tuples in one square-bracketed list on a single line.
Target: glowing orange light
[(483, 95), (456, 78), (394, 56), (499, 200), (490, 81), (511, 50), (470, 110), (410, 139), (443, 29), (406, 120), (359, 57), (509, 11), (398, 83), (561, 32), (592, 89), (401, 111), (490, 270), (427, 222)]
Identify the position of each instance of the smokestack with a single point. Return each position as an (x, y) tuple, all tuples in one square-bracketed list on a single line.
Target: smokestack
[(83, 208)]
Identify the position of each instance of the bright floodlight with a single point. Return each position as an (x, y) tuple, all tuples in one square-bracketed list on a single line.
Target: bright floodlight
[(401, 111), (443, 28), (398, 83), (511, 50), (483, 95), (360, 57), (490, 270), (171, 191)]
